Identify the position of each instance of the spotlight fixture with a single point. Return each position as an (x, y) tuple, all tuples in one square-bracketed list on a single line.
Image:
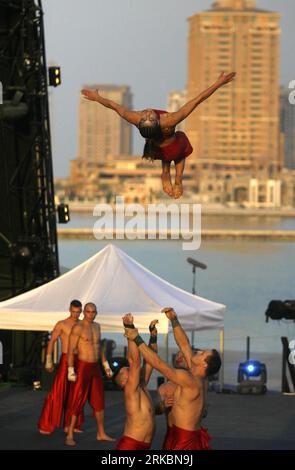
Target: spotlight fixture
[(252, 378), (63, 212), (54, 76), (195, 264), (117, 363)]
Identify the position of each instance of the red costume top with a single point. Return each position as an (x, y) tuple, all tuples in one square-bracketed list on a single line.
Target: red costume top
[(178, 149)]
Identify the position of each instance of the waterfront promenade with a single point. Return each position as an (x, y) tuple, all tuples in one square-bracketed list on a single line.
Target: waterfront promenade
[(207, 234)]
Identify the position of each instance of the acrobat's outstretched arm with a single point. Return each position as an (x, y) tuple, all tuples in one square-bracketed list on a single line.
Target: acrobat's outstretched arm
[(154, 347), (131, 116), (172, 119), (180, 335)]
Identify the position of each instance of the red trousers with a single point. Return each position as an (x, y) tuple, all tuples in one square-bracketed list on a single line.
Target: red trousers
[(181, 439), (128, 443), (55, 402), (88, 385), (168, 439)]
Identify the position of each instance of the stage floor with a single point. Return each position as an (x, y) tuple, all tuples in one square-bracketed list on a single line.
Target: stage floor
[(234, 421)]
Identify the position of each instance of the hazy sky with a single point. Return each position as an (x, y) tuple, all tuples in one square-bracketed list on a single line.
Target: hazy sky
[(141, 43)]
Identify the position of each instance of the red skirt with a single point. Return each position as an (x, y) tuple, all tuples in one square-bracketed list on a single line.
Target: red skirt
[(55, 402), (181, 439), (179, 149), (128, 443), (89, 386)]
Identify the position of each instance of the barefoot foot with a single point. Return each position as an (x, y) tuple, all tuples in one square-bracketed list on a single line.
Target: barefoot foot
[(70, 442), (178, 190), (104, 437), (166, 184), (46, 433)]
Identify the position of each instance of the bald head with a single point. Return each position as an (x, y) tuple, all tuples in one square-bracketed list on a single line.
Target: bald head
[(90, 311), (90, 304)]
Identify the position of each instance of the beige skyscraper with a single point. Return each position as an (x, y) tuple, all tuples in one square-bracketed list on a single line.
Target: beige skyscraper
[(237, 129), (102, 132), (176, 100)]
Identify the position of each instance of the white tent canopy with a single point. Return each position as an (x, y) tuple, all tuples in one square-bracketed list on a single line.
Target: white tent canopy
[(117, 284)]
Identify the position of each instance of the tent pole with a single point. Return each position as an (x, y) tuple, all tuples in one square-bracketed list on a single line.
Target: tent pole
[(221, 343), (55, 352)]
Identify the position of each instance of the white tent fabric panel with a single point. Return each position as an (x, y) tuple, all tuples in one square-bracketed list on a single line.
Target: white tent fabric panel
[(117, 284)]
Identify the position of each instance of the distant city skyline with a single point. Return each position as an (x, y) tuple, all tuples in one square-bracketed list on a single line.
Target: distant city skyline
[(142, 49), (102, 133), (243, 117)]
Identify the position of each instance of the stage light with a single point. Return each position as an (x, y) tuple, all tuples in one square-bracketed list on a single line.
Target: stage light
[(37, 385), (54, 76), (22, 255), (117, 363), (195, 264), (63, 213), (252, 377), (250, 368)]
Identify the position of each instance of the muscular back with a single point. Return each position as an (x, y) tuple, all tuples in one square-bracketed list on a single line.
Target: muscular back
[(139, 414)]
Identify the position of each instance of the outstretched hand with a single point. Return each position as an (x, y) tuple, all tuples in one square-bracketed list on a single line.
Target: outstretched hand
[(128, 319), (90, 95), (169, 312), (131, 333), (226, 78), (152, 328)]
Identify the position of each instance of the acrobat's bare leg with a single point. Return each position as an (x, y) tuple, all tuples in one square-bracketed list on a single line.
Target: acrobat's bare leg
[(101, 435), (70, 435), (166, 178), (179, 169)]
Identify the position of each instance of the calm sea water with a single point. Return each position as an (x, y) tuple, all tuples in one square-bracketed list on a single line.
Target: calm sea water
[(244, 275)]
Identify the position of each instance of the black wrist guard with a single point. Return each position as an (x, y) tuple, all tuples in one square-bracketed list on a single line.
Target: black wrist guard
[(127, 325), (151, 328), (138, 340), (153, 340), (174, 322)]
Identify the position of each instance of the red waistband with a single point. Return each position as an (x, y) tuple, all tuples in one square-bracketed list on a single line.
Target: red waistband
[(135, 441), (85, 363), (186, 432)]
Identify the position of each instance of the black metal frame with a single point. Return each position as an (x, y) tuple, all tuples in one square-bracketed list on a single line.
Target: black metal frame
[(27, 208), (32, 180)]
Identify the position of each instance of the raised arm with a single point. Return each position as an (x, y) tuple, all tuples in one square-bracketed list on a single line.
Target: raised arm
[(57, 330), (179, 377), (133, 357), (180, 335), (131, 116), (172, 119), (154, 347)]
